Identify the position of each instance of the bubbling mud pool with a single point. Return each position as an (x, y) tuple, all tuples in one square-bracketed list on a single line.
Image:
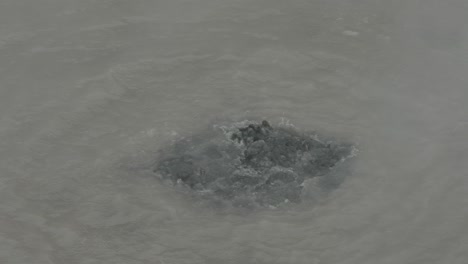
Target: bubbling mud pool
[(252, 164)]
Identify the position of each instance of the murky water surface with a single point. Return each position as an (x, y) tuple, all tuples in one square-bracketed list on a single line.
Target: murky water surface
[(91, 90)]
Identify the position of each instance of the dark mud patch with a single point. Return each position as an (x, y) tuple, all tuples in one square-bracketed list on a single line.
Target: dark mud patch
[(253, 164)]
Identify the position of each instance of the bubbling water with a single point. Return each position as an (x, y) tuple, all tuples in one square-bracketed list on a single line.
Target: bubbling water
[(251, 164)]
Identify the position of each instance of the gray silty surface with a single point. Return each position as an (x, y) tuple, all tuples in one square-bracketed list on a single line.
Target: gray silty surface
[(251, 164), (91, 90)]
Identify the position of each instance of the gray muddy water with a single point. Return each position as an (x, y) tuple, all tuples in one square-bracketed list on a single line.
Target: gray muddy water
[(91, 90)]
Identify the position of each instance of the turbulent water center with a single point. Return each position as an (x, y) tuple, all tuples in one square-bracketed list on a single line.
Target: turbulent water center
[(250, 163)]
